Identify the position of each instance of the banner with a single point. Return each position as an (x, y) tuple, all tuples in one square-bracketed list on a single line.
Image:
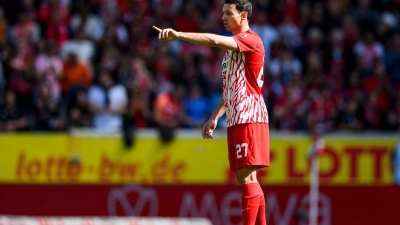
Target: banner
[(344, 205), (60, 159)]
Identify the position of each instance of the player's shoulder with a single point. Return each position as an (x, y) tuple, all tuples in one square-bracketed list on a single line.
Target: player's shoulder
[(250, 36), (249, 41), (256, 36), (247, 34)]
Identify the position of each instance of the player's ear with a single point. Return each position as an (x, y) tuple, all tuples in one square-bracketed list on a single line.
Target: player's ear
[(243, 15)]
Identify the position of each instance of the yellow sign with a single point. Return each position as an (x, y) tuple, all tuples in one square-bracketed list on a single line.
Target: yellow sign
[(58, 159)]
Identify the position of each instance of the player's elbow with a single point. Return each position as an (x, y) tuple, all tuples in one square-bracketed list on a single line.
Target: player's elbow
[(214, 43), (222, 45)]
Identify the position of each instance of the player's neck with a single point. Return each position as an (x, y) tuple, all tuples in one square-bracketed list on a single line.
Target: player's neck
[(245, 27)]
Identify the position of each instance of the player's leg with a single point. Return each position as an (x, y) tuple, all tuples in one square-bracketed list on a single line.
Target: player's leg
[(261, 219), (251, 193), (248, 146), (261, 153)]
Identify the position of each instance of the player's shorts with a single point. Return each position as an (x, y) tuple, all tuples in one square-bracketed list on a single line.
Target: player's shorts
[(248, 145)]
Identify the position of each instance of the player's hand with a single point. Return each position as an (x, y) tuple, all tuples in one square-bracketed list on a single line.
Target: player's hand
[(208, 128), (166, 34)]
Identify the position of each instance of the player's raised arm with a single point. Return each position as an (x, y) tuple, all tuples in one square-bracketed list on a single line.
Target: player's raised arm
[(205, 39)]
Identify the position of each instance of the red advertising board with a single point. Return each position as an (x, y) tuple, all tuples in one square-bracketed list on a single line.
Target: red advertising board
[(338, 205)]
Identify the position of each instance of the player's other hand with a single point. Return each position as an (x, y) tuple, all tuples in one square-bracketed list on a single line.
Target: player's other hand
[(209, 128), (166, 34)]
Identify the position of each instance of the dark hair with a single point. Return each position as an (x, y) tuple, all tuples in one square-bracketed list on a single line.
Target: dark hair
[(241, 5)]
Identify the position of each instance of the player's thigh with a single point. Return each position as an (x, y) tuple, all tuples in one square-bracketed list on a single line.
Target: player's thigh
[(261, 144), (250, 143)]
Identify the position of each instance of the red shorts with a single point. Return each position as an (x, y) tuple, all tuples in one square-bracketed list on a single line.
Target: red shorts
[(248, 145)]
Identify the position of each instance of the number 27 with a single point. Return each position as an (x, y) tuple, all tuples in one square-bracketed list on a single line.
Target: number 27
[(239, 148)]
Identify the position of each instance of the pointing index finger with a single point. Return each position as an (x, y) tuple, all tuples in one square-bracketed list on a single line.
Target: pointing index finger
[(156, 28)]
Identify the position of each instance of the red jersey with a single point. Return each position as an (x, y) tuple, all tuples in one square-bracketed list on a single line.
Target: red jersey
[(243, 78)]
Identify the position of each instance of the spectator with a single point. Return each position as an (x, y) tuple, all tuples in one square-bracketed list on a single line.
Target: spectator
[(318, 19), (139, 109), (3, 28), (350, 32), (79, 113), (392, 59), (290, 33), (337, 51), (372, 114), (353, 89), (285, 66), (136, 11), (268, 34), (194, 72), (392, 122), (378, 89), (289, 108), (3, 41), (57, 29), (85, 21), (83, 48), (168, 112), (140, 87), (110, 60), (188, 20), (368, 51), (315, 44), (25, 29), (47, 111), (315, 71), (138, 115), (47, 9), (195, 108), (166, 8), (163, 69), (12, 117), (20, 79), (340, 59), (112, 31), (335, 15), (365, 16), (29, 7), (350, 117), (378, 81), (322, 109), (76, 75), (108, 103), (2, 85), (139, 78), (48, 68), (387, 27), (141, 42)]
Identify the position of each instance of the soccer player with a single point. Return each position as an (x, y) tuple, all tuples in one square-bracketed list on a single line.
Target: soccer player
[(242, 101)]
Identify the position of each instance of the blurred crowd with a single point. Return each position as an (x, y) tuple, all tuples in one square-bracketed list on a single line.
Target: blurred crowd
[(330, 65)]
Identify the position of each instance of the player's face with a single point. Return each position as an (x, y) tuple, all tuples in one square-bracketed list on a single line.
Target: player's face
[(231, 17)]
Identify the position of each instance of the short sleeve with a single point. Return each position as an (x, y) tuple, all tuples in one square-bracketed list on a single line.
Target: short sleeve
[(246, 41)]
